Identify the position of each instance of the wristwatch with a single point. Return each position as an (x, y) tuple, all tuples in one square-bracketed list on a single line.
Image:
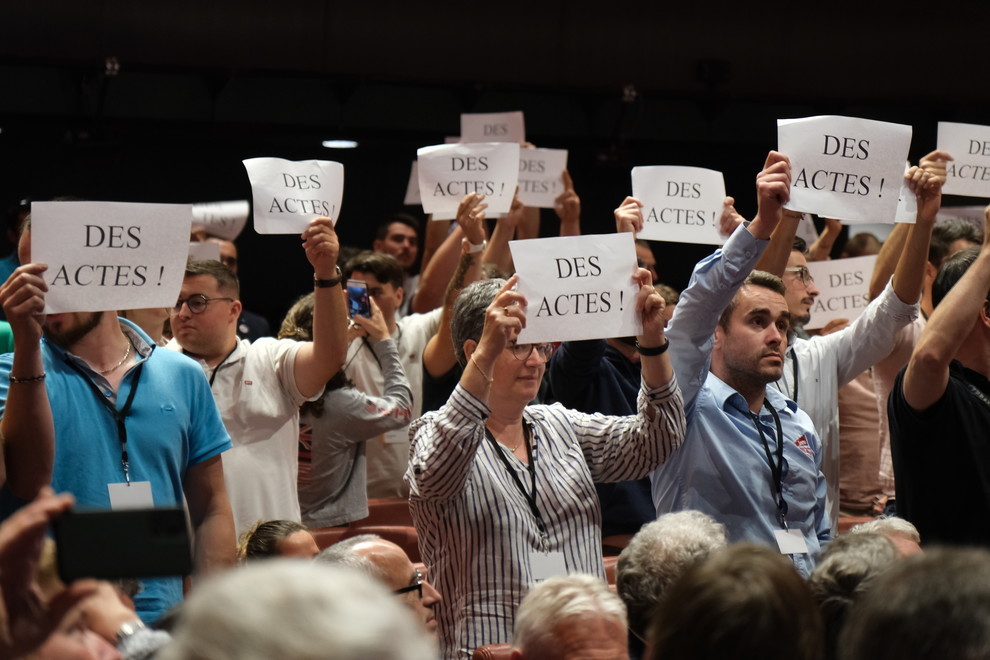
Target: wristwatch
[(326, 284)]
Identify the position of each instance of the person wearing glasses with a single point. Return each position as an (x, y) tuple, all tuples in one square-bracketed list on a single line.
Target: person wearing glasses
[(502, 492), (92, 407), (259, 386)]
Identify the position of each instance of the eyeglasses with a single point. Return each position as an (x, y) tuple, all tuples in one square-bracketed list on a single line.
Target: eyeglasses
[(197, 303), (417, 585), (523, 351), (802, 272)]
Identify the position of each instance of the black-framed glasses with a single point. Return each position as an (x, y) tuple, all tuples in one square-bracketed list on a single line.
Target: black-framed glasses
[(802, 272), (197, 303), (522, 351), (417, 585)]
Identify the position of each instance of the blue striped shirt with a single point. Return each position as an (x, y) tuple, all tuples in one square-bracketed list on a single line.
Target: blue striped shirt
[(476, 529)]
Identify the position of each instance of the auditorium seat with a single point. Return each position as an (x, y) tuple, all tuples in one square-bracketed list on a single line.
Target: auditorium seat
[(386, 511), (327, 536)]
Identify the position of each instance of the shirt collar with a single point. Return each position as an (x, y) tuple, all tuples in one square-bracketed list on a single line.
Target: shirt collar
[(727, 397)]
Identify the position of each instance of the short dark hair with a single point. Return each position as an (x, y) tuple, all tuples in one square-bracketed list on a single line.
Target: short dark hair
[(381, 230), (951, 272), (263, 538), (226, 280), (467, 319), (800, 245), (756, 278), (946, 233), (383, 266)]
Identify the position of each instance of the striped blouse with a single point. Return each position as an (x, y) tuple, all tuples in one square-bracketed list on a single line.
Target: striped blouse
[(476, 529)]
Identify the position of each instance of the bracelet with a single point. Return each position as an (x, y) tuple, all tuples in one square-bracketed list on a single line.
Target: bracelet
[(30, 379), (654, 350), (474, 248), (326, 284), (487, 377)]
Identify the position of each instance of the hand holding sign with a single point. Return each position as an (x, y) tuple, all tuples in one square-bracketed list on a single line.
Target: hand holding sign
[(568, 204), (471, 217), (23, 300), (730, 217), (629, 216), (650, 305), (927, 188), (504, 320), (773, 191), (322, 247)]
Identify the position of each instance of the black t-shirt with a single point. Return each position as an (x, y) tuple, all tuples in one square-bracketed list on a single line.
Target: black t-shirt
[(942, 460)]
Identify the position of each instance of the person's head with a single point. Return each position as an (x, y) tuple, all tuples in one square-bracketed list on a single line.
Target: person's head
[(398, 235), (228, 252), (751, 335), (900, 532), (388, 563), (517, 372), (850, 563), (73, 640), (744, 601), (276, 538), (801, 289), (952, 271), (934, 605), (204, 320), (384, 277), (658, 554), (861, 245), (294, 611), (573, 617), (951, 236), (645, 258)]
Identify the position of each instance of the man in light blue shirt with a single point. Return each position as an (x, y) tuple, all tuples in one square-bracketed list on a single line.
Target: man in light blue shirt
[(728, 337)]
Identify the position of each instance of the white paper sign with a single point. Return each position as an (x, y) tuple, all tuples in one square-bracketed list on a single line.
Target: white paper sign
[(224, 220), (493, 127), (540, 173), (288, 194), (806, 229), (110, 255), (969, 146), (448, 172), (412, 188), (204, 251), (844, 286), (845, 168), (680, 204), (907, 202), (577, 287)]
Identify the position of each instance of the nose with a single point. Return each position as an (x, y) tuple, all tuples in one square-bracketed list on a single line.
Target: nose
[(812, 288), (430, 595), (533, 358)]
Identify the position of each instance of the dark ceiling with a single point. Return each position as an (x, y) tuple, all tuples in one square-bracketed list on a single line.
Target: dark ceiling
[(201, 84)]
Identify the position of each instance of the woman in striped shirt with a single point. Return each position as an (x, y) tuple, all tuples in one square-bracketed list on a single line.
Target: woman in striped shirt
[(502, 492)]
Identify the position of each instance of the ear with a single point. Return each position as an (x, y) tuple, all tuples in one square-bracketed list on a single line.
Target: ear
[(469, 347), (235, 310), (930, 272), (719, 336), (376, 246), (985, 314), (400, 294)]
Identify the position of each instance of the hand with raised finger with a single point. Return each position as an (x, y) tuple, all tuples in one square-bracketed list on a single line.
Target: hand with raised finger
[(568, 204), (322, 247), (935, 163), (629, 216)]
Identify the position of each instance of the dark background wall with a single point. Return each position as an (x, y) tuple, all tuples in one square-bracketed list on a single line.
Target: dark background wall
[(204, 84)]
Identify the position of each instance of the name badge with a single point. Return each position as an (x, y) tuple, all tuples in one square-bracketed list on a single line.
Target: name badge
[(545, 565), (134, 495), (790, 541)]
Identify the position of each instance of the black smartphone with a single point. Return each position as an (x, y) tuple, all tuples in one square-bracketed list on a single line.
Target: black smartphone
[(132, 543), (357, 298)]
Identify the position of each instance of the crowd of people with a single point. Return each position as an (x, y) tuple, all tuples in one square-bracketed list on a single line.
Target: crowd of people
[(726, 440)]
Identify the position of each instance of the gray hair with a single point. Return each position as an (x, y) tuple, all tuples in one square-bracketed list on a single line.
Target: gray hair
[(342, 553), (557, 599), (468, 316), (657, 555), (295, 610), (889, 527), (848, 567)]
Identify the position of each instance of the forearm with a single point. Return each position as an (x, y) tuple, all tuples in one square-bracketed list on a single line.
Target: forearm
[(774, 259), (439, 356), (822, 248), (436, 232), (497, 252), (27, 426), (909, 274), (435, 276), (317, 361), (215, 540), (888, 258)]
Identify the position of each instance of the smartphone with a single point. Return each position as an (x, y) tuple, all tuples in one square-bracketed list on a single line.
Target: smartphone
[(133, 543), (357, 298)]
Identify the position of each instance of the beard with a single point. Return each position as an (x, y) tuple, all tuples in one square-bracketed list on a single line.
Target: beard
[(68, 334)]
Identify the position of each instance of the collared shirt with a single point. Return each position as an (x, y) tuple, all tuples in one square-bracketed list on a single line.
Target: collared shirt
[(476, 530), (826, 363), (722, 467)]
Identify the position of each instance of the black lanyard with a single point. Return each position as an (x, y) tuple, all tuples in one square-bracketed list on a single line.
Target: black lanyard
[(794, 371), (213, 376), (776, 468), (118, 415), (530, 497)]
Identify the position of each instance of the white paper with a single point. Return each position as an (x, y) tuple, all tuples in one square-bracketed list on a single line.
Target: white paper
[(288, 194), (545, 565), (204, 251), (134, 495), (224, 220), (907, 202), (448, 172), (843, 167), (412, 188), (844, 286), (680, 204), (540, 172), (493, 127), (577, 287), (806, 229), (790, 541), (969, 171), (110, 255)]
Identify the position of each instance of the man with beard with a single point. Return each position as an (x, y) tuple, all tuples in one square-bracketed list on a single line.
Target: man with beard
[(91, 406)]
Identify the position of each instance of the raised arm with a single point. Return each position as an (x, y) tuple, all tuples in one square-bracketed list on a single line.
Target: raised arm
[(774, 260), (909, 274), (822, 248), (497, 252), (568, 208), (317, 361), (950, 324), (26, 429)]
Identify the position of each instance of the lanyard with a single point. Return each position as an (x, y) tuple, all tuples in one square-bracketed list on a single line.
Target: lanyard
[(776, 468), (118, 415), (794, 371), (213, 376), (530, 497)]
